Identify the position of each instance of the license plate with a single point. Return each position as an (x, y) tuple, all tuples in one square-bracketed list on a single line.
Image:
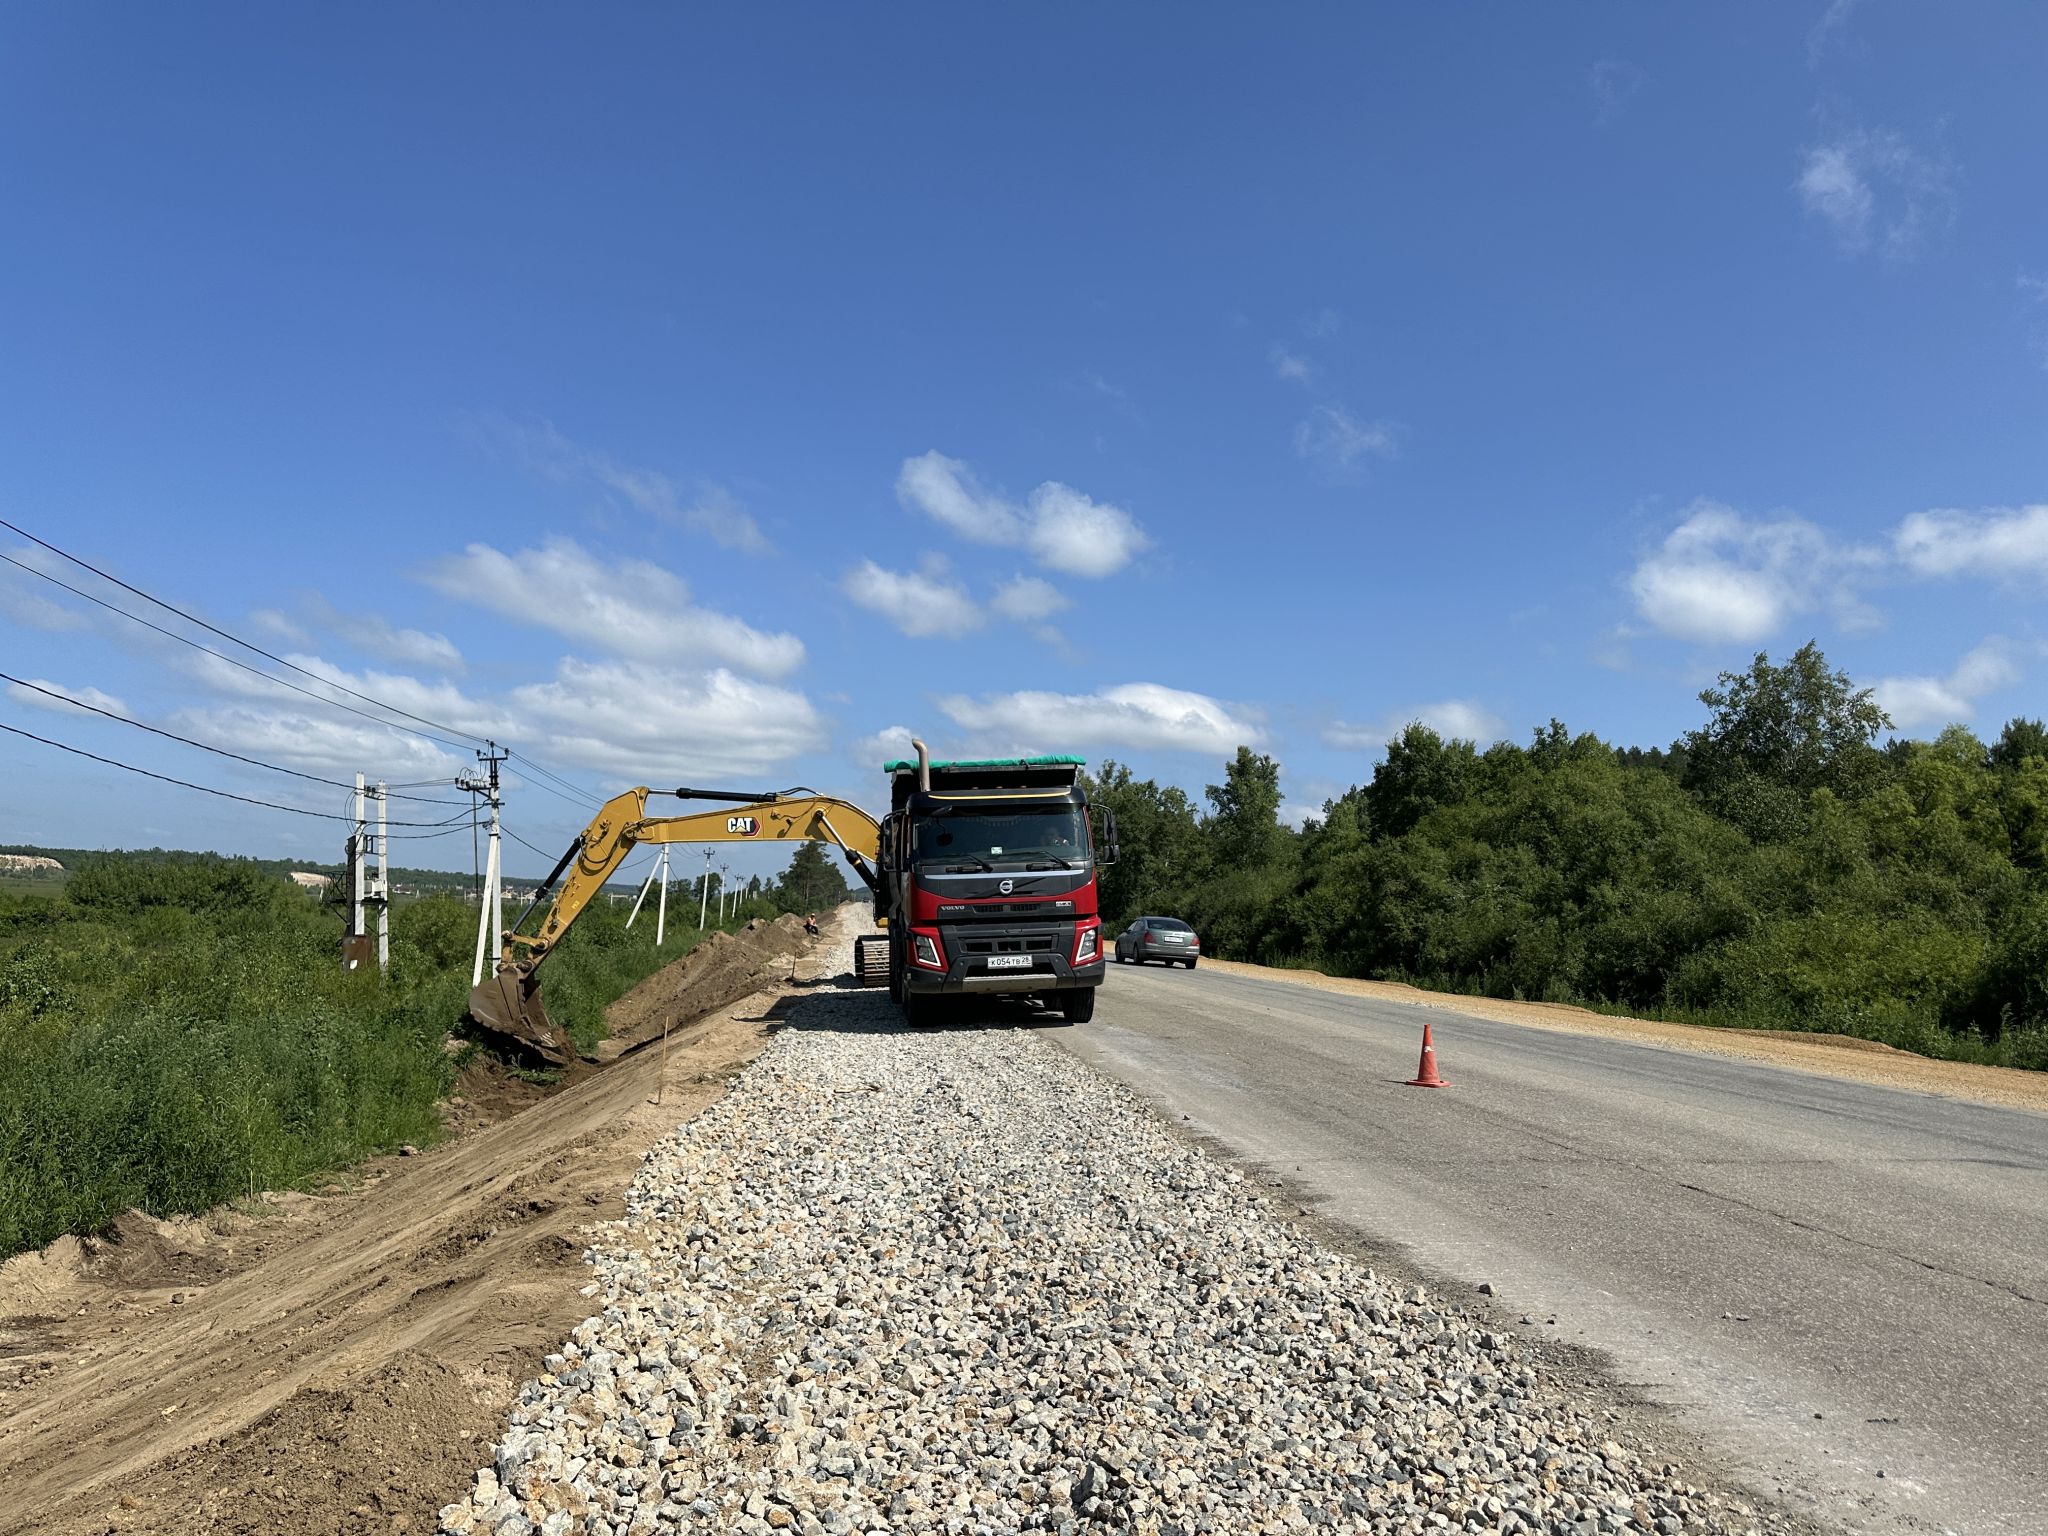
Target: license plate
[(1009, 962)]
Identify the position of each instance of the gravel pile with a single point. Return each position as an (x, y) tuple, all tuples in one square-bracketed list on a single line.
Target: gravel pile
[(956, 1281)]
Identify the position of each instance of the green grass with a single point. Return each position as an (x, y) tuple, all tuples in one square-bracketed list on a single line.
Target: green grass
[(180, 1034)]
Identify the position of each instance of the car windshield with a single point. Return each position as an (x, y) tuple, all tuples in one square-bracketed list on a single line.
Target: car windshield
[(1170, 925), (1010, 836)]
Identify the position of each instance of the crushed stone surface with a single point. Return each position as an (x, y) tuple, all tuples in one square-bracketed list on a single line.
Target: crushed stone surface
[(954, 1281)]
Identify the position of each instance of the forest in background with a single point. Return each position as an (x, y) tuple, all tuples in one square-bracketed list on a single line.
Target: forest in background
[(1775, 868)]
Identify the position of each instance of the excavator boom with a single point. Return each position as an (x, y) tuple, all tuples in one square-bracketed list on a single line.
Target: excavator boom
[(508, 1002)]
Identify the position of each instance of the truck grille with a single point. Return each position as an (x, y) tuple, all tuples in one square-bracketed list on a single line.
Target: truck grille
[(1025, 946)]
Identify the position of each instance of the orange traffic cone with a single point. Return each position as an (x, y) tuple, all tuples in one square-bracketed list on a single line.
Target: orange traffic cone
[(1425, 1075)]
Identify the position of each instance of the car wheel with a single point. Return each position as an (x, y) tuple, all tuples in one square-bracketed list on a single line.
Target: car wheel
[(1190, 964)]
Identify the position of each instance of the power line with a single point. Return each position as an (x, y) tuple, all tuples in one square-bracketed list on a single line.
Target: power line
[(254, 762), (539, 769), (269, 805), (522, 842), (215, 629), (276, 682), (543, 776)]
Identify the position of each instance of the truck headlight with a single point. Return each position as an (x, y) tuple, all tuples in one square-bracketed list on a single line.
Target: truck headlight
[(925, 950), (1087, 944)]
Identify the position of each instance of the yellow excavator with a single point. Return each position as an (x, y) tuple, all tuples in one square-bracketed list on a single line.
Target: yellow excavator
[(508, 1002)]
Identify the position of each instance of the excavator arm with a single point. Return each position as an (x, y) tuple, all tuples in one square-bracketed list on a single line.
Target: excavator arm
[(508, 1002)]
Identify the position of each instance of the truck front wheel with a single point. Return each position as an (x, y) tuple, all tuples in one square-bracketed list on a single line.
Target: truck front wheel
[(1079, 1005)]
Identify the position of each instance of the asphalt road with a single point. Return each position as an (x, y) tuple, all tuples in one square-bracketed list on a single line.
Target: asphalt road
[(1842, 1289)]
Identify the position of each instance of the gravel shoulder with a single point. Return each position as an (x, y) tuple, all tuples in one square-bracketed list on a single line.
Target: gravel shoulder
[(332, 1362), (956, 1280), (1841, 1056)]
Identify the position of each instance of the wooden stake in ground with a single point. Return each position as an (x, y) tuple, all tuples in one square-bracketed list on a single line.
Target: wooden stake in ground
[(661, 1082)]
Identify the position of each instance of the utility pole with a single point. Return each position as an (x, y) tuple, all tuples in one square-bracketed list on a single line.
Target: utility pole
[(661, 911), (645, 886), (704, 899), (355, 868), (658, 873), (383, 884), (490, 917)]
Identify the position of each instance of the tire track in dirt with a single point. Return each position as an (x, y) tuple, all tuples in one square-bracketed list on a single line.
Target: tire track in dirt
[(335, 1363)]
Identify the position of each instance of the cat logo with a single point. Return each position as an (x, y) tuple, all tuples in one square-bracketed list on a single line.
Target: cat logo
[(743, 826)]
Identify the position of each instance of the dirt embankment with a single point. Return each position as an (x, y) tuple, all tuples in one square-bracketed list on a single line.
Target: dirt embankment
[(339, 1362), (1863, 1061)]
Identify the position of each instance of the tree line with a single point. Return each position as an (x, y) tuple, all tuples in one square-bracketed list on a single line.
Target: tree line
[(1775, 867)]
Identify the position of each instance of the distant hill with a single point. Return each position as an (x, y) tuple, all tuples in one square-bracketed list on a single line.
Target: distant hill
[(419, 882)]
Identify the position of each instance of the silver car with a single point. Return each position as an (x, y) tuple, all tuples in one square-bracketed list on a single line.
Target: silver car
[(1159, 938)]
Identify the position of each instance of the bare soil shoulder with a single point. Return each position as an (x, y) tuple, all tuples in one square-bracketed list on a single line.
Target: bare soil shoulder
[(341, 1361)]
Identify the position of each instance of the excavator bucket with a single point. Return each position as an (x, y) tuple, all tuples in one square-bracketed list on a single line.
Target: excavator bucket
[(508, 1005)]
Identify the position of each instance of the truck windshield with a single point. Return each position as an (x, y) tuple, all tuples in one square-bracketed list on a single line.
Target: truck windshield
[(1010, 835)]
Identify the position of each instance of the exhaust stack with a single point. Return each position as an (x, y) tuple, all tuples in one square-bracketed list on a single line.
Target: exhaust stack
[(924, 764)]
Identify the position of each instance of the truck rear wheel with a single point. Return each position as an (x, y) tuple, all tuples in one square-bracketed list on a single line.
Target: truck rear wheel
[(1079, 1005)]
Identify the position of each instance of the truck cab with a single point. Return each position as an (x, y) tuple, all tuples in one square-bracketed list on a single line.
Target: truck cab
[(989, 883)]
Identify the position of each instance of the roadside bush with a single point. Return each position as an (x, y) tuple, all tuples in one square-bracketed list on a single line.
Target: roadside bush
[(175, 1033)]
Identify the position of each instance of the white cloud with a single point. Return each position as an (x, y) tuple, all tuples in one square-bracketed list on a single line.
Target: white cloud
[(628, 607), (1871, 185), (1095, 384), (1612, 82), (92, 698), (947, 490), (1825, 29), (1065, 529), (708, 508), (24, 599), (1131, 715), (1719, 576), (1288, 365), (2034, 297), (370, 633), (888, 745), (1296, 812), (632, 721), (703, 507), (1914, 702), (1028, 599), (1452, 719), (313, 740), (1338, 440), (917, 602), (2003, 542), (1074, 533)]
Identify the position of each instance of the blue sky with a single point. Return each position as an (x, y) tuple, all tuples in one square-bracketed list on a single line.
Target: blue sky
[(710, 396)]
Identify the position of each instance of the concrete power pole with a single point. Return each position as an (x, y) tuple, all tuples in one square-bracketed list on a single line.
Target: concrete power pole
[(704, 898), (383, 884), (355, 867), (661, 911), (490, 918)]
